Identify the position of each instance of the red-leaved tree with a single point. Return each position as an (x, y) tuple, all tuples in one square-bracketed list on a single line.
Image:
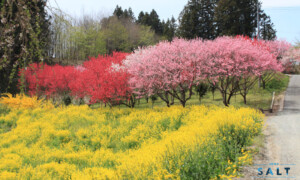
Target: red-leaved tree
[(103, 79), (42, 79)]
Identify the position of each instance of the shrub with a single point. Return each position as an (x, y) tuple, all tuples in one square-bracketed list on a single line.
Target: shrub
[(278, 84)]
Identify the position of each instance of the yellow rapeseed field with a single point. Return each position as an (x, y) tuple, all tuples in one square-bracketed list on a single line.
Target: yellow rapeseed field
[(77, 142)]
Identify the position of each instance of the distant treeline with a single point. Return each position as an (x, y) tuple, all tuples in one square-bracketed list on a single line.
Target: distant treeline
[(88, 36), (78, 38)]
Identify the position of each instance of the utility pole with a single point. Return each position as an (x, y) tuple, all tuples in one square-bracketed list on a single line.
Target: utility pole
[(258, 24), (258, 33)]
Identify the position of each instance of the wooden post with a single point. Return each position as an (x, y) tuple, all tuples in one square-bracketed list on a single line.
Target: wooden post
[(272, 103)]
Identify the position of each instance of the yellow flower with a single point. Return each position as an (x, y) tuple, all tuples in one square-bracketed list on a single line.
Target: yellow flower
[(77, 142)]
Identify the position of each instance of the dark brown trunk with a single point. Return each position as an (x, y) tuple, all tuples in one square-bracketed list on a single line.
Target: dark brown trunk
[(147, 99), (229, 98), (245, 99), (183, 103), (224, 95), (168, 104)]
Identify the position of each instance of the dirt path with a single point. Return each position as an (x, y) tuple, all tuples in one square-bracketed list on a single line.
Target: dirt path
[(283, 135), (282, 140)]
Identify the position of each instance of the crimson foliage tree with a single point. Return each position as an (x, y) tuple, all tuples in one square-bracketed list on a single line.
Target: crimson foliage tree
[(105, 80), (102, 79)]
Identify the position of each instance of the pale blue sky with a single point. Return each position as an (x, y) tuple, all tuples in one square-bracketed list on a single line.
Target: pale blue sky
[(285, 14)]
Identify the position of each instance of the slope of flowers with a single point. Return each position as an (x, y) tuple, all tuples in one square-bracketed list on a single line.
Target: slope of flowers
[(77, 142)]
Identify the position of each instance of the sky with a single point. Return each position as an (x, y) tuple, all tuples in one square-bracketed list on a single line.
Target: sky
[(284, 14)]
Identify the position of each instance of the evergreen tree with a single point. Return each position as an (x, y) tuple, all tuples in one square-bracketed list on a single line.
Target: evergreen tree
[(239, 17), (124, 14), (197, 19), (236, 17), (118, 12), (155, 22), (169, 28), (140, 17), (151, 20), (267, 31), (130, 14), (24, 38)]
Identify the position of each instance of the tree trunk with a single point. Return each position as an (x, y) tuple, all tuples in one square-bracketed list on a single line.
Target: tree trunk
[(168, 104), (147, 99), (264, 84), (229, 98), (183, 103), (172, 100), (132, 102), (224, 95), (245, 98), (165, 98)]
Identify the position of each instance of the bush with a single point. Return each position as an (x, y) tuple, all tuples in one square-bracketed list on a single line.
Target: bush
[(279, 83), (201, 90)]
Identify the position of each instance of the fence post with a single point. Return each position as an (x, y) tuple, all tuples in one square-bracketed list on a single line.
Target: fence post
[(272, 103)]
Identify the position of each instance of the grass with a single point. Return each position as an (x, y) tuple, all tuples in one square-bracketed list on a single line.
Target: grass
[(4, 127)]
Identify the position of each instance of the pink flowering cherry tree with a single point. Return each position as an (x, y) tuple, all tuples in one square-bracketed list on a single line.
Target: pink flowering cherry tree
[(278, 48), (233, 65), (291, 60), (169, 69)]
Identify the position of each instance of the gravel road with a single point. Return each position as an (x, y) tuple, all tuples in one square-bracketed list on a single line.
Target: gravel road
[(283, 135)]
